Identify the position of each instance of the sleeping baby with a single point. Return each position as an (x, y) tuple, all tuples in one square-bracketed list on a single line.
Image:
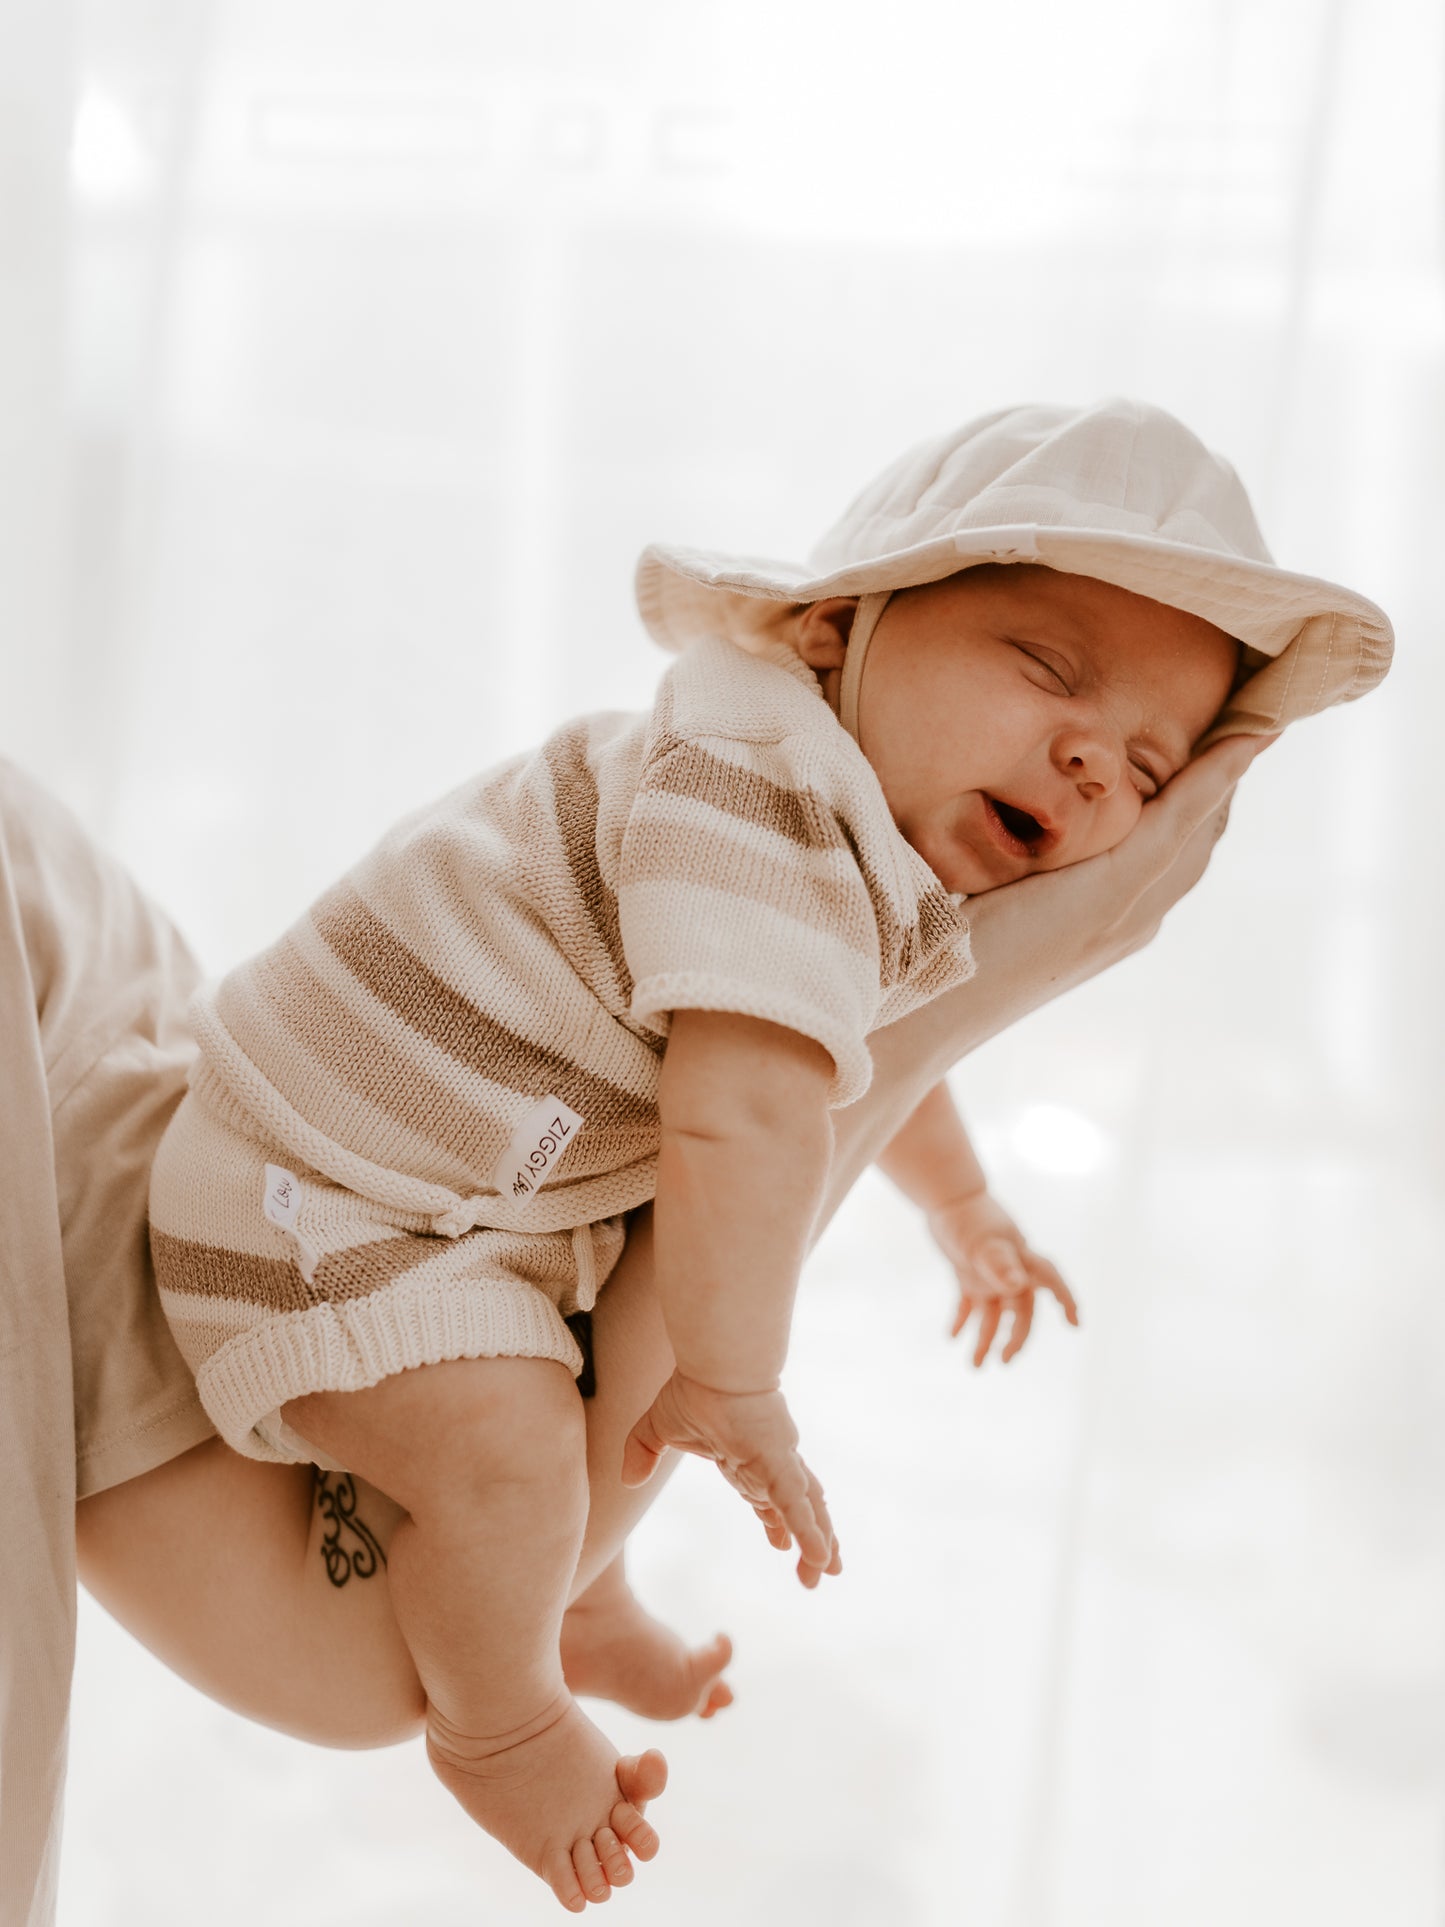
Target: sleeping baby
[(643, 963)]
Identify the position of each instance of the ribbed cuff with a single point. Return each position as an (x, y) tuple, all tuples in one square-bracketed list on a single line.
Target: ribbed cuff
[(348, 1347)]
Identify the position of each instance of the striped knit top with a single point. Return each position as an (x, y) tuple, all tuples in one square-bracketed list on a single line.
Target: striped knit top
[(507, 959)]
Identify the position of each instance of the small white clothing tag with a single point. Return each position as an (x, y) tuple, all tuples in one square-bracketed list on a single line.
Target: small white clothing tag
[(281, 1199), (1021, 545), (537, 1143)]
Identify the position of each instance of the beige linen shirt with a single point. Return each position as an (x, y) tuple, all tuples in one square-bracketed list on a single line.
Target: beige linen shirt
[(93, 1057)]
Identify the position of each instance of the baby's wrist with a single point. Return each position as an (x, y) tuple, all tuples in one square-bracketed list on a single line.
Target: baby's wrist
[(725, 1385), (959, 1200)]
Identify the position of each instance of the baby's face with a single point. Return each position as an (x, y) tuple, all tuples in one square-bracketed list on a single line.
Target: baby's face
[(1019, 718)]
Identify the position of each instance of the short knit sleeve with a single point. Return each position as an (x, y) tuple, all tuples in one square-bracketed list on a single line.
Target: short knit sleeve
[(739, 889)]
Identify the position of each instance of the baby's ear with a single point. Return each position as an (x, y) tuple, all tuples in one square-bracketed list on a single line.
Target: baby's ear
[(821, 630)]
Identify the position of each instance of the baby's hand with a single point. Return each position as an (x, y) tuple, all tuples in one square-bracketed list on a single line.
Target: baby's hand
[(996, 1269), (751, 1438)]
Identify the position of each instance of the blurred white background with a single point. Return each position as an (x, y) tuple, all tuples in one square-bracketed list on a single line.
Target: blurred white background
[(348, 355)]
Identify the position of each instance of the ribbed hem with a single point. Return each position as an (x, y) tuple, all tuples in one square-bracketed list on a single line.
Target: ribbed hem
[(349, 1347)]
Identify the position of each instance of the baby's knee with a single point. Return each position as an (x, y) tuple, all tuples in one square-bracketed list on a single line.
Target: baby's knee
[(520, 1422)]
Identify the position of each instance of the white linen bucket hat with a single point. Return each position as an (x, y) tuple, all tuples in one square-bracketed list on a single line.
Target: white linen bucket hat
[(1120, 491)]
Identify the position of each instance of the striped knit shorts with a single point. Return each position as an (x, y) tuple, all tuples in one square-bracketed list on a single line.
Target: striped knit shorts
[(277, 1282)]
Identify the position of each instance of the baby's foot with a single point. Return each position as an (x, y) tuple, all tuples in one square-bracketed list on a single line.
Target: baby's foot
[(613, 1649), (557, 1796)]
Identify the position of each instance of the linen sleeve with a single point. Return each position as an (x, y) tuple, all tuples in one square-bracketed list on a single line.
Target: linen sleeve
[(739, 890)]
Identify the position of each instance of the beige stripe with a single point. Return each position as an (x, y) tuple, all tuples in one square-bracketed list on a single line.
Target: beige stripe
[(363, 1269), (210, 1271), (903, 945), (575, 805), (394, 975), (798, 814)]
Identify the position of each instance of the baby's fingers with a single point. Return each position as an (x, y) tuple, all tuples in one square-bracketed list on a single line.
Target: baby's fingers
[(1047, 1278), (987, 1328), (773, 1524), (798, 1499), (643, 1451), (813, 1530), (1023, 1319), (999, 1261)]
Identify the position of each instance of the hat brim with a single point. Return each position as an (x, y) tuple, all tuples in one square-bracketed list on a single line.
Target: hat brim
[(1317, 642)]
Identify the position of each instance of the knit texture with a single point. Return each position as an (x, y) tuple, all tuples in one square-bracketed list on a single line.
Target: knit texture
[(527, 938)]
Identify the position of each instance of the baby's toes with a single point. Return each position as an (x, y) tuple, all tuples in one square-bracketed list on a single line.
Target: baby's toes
[(561, 1876), (642, 1776), (613, 1855), (719, 1695), (629, 1826), (590, 1877)]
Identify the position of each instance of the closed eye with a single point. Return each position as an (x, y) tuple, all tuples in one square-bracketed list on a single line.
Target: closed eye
[(1154, 783), (1058, 681)]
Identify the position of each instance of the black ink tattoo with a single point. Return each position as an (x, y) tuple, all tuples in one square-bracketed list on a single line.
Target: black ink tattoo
[(336, 1502)]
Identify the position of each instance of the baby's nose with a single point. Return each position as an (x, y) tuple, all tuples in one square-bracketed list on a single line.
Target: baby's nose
[(1090, 760)]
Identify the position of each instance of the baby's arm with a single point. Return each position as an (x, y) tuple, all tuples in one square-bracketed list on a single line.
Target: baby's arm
[(747, 1140), (932, 1162)]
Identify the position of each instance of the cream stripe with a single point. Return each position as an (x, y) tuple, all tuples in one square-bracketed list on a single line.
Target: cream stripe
[(817, 887)]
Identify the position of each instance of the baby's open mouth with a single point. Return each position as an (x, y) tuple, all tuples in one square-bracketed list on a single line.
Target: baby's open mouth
[(1023, 828)]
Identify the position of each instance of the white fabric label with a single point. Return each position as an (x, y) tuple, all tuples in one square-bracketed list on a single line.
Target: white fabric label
[(281, 1199), (537, 1143), (1017, 545)]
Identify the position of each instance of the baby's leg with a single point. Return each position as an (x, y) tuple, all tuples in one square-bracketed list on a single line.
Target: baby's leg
[(487, 1456), (613, 1649)]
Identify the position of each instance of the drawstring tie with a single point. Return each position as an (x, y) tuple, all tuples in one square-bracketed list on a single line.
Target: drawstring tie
[(584, 1253), (463, 1217)]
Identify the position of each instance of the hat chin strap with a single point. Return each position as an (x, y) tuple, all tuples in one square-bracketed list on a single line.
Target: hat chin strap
[(865, 621)]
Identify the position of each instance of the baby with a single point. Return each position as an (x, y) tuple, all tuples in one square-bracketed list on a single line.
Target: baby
[(643, 963)]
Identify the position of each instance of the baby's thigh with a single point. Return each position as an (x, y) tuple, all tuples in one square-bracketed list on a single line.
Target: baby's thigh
[(264, 1586), (438, 1438)]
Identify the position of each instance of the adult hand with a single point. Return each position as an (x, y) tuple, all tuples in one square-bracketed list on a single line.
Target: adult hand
[(1037, 938), (1050, 932)]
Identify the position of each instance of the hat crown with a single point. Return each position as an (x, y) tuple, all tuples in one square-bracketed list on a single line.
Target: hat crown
[(1119, 465)]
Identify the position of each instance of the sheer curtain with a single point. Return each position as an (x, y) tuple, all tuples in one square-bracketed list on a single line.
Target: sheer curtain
[(348, 356)]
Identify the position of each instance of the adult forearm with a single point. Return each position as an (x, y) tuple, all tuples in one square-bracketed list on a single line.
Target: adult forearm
[(910, 1059)]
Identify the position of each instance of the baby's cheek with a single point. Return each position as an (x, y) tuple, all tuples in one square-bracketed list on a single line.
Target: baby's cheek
[(1117, 816)]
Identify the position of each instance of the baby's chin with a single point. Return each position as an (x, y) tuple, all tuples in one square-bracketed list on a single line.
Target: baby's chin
[(969, 877)]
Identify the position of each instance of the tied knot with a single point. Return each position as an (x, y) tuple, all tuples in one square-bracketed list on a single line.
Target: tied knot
[(463, 1217)]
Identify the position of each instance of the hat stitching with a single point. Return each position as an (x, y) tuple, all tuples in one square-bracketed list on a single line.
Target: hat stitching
[(1128, 467), (1357, 680), (1329, 657), (1282, 701)]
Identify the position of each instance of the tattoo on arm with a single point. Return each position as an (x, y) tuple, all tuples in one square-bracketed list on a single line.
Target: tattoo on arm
[(336, 1502)]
